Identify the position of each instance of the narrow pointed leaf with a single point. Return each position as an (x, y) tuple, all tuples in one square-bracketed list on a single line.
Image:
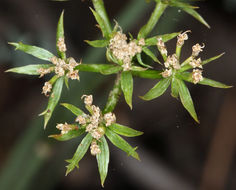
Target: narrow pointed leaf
[(103, 159), (196, 15), (29, 69), (121, 144), (157, 90), (127, 86), (79, 154), (180, 4), (67, 82), (187, 67), (73, 109), (140, 61), (165, 38), (101, 23), (149, 74), (60, 34), (53, 100), (174, 88), (186, 99), (98, 43), (33, 50), (70, 135), (188, 77), (137, 68), (111, 70), (149, 53), (99, 68), (124, 130)]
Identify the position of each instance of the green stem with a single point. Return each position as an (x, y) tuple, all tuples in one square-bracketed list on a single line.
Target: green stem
[(100, 9), (114, 95), (156, 14)]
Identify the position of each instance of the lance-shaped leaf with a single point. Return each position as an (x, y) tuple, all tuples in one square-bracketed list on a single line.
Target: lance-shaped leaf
[(53, 100), (157, 90), (165, 38), (127, 86), (156, 14), (174, 87), (148, 74), (140, 61), (29, 69), (137, 68), (101, 23), (99, 68), (98, 43), (100, 9), (188, 77), (121, 144), (60, 35), (186, 99), (76, 132), (187, 66), (73, 109), (149, 53), (124, 130), (79, 154), (33, 50), (196, 15), (103, 159)]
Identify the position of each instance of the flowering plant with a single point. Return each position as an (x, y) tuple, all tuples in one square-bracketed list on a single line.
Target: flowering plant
[(125, 56)]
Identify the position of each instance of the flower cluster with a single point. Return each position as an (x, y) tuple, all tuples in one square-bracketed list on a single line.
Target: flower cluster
[(123, 50), (172, 61)]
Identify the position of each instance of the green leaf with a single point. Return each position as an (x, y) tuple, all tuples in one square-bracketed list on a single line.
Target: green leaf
[(73, 109), (137, 68), (101, 23), (99, 68), (196, 15), (79, 154), (186, 99), (187, 67), (33, 50), (53, 100), (124, 130), (127, 86), (111, 70), (174, 87), (157, 90), (103, 159), (60, 34), (165, 38), (188, 77), (70, 135), (180, 4), (156, 14), (121, 144), (149, 53), (149, 74), (29, 69), (139, 58), (67, 82), (98, 43)]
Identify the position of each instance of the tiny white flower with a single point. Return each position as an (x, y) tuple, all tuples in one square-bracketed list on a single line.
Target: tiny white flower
[(109, 118), (94, 148), (197, 76), (182, 37), (47, 88), (167, 73), (61, 44), (196, 49), (88, 99)]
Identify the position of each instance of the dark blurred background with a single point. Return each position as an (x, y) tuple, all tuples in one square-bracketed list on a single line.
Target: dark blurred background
[(176, 152)]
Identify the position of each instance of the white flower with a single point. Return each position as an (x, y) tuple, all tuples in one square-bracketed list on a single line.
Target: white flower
[(197, 76), (61, 44), (47, 88), (109, 118), (167, 73), (196, 63), (94, 148), (196, 49), (88, 99), (182, 37), (64, 128), (81, 120), (161, 46)]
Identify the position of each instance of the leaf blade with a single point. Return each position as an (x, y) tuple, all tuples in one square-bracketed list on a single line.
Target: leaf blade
[(103, 159), (157, 90), (121, 144), (98, 43), (124, 130), (76, 111), (33, 50), (127, 86), (60, 34)]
